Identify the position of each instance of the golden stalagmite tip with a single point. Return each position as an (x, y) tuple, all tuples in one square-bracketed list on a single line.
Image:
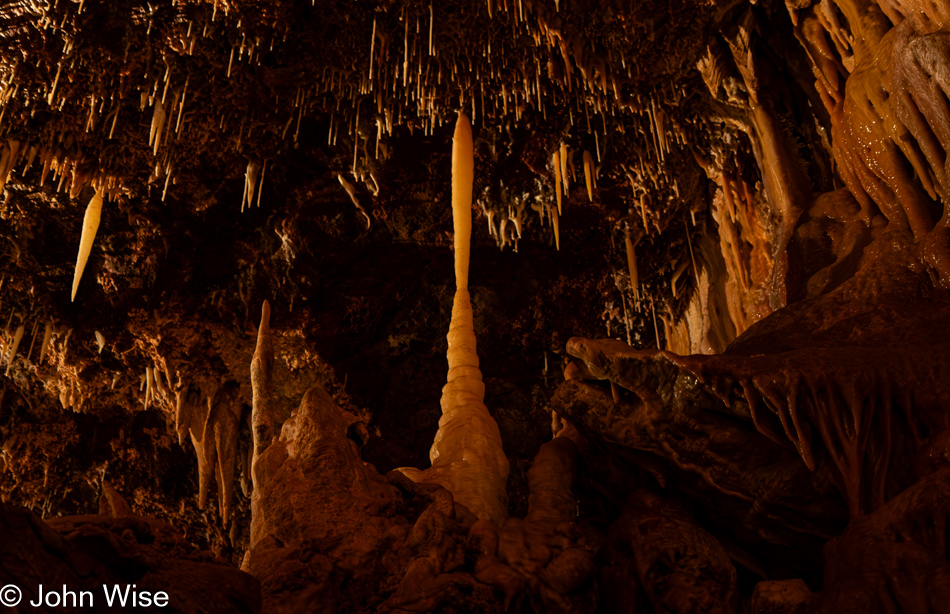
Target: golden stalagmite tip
[(463, 173)]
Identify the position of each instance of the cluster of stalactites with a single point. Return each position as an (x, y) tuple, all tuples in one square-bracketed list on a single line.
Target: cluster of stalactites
[(543, 62), (212, 423), (109, 98), (69, 170), (882, 72), (11, 338)]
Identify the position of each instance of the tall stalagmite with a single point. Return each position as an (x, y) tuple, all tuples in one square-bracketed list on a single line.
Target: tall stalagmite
[(467, 456)]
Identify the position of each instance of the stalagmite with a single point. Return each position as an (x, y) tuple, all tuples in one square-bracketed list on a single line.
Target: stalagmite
[(90, 224), (467, 456), (263, 427)]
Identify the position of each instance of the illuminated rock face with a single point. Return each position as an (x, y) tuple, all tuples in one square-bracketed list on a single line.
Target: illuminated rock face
[(888, 132), (328, 531)]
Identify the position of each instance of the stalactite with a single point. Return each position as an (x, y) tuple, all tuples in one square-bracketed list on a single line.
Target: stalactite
[(90, 225), (351, 192), (17, 337), (588, 175), (563, 157), (632, 266), (7, 159), (47, 336), (250, 183)]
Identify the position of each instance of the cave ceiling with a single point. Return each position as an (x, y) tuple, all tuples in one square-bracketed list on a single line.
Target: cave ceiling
[(709, 261)]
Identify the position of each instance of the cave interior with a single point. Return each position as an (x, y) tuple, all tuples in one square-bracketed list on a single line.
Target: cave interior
[(247, 246)]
